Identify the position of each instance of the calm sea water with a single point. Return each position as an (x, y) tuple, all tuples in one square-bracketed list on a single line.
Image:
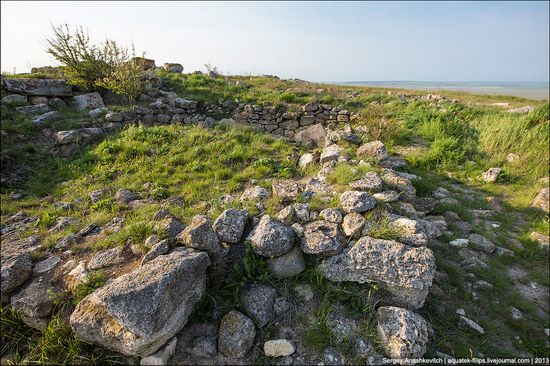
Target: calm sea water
[(532, 90)]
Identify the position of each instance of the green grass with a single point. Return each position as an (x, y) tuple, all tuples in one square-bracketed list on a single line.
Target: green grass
[(94, 281)]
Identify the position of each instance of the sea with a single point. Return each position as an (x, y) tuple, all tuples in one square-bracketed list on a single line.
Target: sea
[(530, 90)]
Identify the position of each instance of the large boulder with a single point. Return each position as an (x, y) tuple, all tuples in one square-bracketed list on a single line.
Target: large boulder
[(271, 238), (230, 225), (542, 200), (375, 150), (236, 335), (356, 201), (88, 101), (138, 312), (322, 237), (402, 332), (43, 87), (405, 272), (311, 136)]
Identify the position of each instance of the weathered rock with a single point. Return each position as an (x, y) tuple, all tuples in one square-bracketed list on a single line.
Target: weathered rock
[(33, 109), (356, 201), (375, 150), (322, 237), (459, 243), (331, 215), (200, 235), (125, 196), (138, 312), (169, 226), (278, 348), (386, 196), (35, 86), (480, 243), (76, 276), (255, 193), (405, 272), (160, 248), (305, 160), (34, 302), (15, 99), (62, 223), (67, 137), (402, 332), (470, 324), (162, 356), (46, 117), (46, 265), (317, 187), (185, 103), (88, 101), (98, 195), (289, 264), (173, 67), (230, 225), (271, 238), (491, 175), (542, 199), (287, 215), (353, 224), (113, 117), (15, 269), (108, 257), (311, 136), (542, 240), (258, 302), (301, 211), (236, 334), (370, 182), (286, 190), (330, 153)]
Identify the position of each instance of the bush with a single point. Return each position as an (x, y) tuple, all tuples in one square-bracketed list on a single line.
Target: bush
[(106, 65)]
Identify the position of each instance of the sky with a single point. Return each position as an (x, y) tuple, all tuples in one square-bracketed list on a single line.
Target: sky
[(315, 41)]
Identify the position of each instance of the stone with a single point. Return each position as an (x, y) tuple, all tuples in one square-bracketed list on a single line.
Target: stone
[(330, 153), (304, 292), (230, 225), (35, 86), (459, 243), (113, 117), (333, 357), (88, 101), (386, 196), (287, 215), (542, 240), (62, 223), (403, 333), (353, 224), (375, 150), (356, 201), (286, 190), (399, 183), (440, 193), (124, 196), (306, 160), (298, 229), (271, 238), (67, 137), (136, 313), (331, 215), (255, 193), (503, 252), (317, 187), (370, 182), (405, 272), (160, 248), (98, 195), (278, 348), (204, 346), (482, 286), (108, 257), (169, 227), (185, 103), (36, 99), (287, 265), (525, 109), (46, 117), (200, 235), (76, 276), (14, 99), (34, 303), (480, 243), (162, 356), (311, 136), (491, 175), (470, 324), (542, 199), (173, 67), (301, 211), (258, 302), (236, 334), (323, 238), (32, 110), (46, 265), (515, 313), (15, 269)]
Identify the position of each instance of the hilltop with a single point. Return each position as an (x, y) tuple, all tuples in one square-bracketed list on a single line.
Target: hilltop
[(225, 219)]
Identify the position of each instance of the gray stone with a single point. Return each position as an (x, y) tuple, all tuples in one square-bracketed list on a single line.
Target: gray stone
[(230, 225), (375, 150), (113, 117), (67, 137), (301, 211), (398, 183), (88, 101), (33, 109), (330, 153), (138, 312), (236, 334), (200, 235), (15, 99), (160, 248), (542, 200), (162, 356), (480, 243), (258, 302), (353, 224), (356, 201), (289, 264), (255, 193), (491, 175), (405, 272), (169, 226), (286, 190), (322, 237), (271, 238), (470, 325), (46, 117), (46, 265), (311, 136), (124, 196), (108, 257), (402, 332), (306, 160), (386, 196), (331, 215), (173, 67), (370, 182), (278, 348), (459, 243), (34, 303), (15, 269), (36, 86)]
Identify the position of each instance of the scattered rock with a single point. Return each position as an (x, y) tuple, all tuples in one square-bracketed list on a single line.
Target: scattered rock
[(160, 248), (286, 190), (370, 182), (306, 160), (542, 199), (289, 264), (173, 67), (46, 265), (459, 243), (331, 215), (323, 238), (480, 243), (124, 196), (236, 334), (34, 303), (108, 257), (33, 109), (470, 324), (515, 313), (46, 117), (542, 240), (353, 224), (330, 153), (258, 302), (88, 101), (271, 238), (169, 227), (138, 312), (15, 99), (491, 175), (375, 150), (386, 196), (402, 332), (162, 356), (230, 225), (255, 193), (15, 270), (311, 136), (278, 348), (356, 201)]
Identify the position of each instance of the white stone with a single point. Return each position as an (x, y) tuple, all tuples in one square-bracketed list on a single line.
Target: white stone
[(278, 348)]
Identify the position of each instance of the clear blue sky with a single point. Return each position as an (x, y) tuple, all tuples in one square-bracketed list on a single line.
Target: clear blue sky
[(318, 41)]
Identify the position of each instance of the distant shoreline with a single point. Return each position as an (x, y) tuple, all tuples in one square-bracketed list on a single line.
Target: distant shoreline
[(531, 90)]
